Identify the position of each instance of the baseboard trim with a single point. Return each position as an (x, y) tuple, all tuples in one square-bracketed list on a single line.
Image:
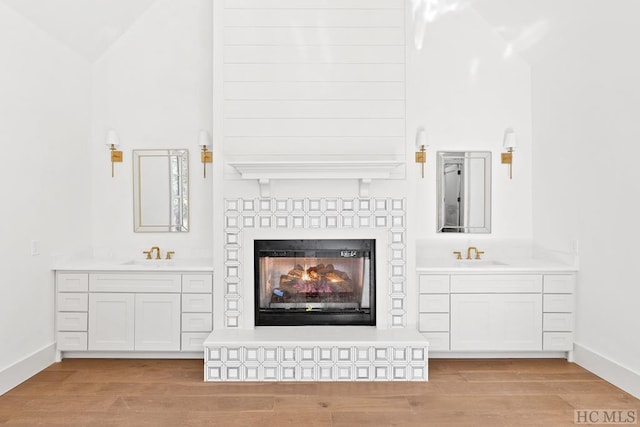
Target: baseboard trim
[(26, 368), (132, 355), (609, 370), (497, 354)]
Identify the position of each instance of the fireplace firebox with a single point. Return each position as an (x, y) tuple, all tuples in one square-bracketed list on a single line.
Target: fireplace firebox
[(314, 282)]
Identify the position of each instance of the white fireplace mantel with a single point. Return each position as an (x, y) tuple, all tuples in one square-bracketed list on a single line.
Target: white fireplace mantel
[(363, 170)]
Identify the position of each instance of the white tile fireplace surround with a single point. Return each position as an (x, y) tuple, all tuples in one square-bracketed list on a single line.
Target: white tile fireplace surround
[(388, 351), (381, 219)]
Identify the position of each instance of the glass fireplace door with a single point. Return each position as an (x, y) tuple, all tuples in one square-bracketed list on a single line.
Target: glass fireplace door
[(315, 282)]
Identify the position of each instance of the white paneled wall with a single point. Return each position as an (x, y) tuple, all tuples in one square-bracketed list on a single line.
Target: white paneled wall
[(314, 77)]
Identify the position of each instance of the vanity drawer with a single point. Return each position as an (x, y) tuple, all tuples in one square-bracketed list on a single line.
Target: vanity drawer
[(139, 283), (438, 341), (72, 282), (71, 341), (194, 341), (434, 303), (434, 283), (72, 301), (434, 322), (558, 341), (557, 322), (197, 322), (197, 303), (70, 321), (559, 284), (558, 303), (197, 283), (496, 283)]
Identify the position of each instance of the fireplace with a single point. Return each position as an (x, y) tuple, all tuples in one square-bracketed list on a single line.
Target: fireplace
[(314, 282)]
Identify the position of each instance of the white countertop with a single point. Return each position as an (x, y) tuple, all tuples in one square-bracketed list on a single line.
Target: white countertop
[(97, 264), (506, 265)]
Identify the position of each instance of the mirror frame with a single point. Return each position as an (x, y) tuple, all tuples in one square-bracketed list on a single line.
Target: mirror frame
[(465, 156), (178, 204)]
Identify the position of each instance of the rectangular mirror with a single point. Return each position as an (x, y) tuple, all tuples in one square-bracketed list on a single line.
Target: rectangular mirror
[(464, 191), (161, 190)]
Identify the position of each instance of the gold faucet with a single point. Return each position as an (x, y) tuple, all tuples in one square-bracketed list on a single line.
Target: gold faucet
[(478, 253), (157, 249), (458, 254)]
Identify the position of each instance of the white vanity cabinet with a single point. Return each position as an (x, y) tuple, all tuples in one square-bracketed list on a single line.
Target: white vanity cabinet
[(138, 311), (197, 309), (434, 306), (72, 303), (133, 311), (521, 312), (558, 309), (496, 312)]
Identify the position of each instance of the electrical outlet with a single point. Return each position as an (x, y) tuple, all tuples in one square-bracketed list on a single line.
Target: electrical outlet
[(35, 247)]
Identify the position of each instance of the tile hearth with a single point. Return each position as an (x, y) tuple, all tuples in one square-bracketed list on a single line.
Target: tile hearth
[(316, 353)]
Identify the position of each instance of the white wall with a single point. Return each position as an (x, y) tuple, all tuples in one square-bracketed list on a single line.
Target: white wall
[(44, 119), (153, 86), (586, 104), (465, 92)]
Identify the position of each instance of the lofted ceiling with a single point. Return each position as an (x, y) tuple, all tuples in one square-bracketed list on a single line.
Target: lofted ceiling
[(531, 28), (539, 29), (89, 27)]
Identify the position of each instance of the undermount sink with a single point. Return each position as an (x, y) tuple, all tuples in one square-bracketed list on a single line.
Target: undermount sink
[(150, 262), (478, 262)]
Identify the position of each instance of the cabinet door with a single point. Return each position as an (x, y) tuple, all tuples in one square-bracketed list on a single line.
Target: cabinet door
[(157, 321), (111, 317), (496, 322)]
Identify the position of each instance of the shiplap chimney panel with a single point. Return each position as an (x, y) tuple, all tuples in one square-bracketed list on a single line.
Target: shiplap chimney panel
[(316, 109), (314, 36), (298, 54), (314, 90), (262, 17), (315, 4), (314, 77), (316, 127), (283, 148), (313, 73)]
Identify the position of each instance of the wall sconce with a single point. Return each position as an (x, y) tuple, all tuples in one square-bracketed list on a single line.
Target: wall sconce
[(421, 147), (112, 141), (509, 143), (206, 156)]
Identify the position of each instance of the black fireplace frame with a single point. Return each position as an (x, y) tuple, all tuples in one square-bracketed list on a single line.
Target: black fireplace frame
[(314, 248)]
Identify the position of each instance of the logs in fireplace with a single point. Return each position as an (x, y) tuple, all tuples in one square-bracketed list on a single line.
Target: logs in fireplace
[(314, 282)]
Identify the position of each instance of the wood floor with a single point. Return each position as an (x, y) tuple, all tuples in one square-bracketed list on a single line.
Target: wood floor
[(85, 392)]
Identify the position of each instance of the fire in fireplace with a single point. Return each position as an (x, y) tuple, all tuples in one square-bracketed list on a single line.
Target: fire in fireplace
[(314, 282)]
